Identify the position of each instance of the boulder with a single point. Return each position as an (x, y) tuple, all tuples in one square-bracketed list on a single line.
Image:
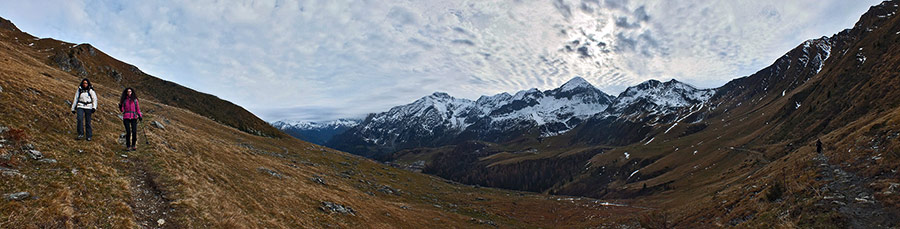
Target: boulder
[(113, 74), (387, 189), (318, 179), (34, 154), (7, 172), (270, 172), (157, 125), (48, 161), (16, 196), (333, 207), (481, 221), (68, 62)]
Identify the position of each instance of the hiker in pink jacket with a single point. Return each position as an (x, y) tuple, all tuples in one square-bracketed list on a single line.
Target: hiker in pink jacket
[(131, 113)]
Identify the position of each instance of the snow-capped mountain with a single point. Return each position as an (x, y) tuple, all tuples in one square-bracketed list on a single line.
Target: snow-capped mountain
[(315, 132), (655, 97), (440, 119), (554, 111), (307, 125)]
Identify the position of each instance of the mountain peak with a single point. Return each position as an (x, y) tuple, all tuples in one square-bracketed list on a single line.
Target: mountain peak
[(8, 25), (438, 97), (576, 82), (439, 94), (652, 83)]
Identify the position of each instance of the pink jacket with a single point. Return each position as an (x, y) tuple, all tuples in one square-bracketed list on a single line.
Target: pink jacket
[(131, 110)]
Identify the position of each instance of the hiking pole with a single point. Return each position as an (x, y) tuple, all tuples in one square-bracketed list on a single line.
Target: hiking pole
[(146, 141)]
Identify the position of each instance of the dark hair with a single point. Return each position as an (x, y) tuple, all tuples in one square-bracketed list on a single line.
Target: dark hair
[(125, 96), (82, 82)]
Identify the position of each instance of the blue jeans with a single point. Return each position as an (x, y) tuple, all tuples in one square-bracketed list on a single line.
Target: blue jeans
[(84, 122)]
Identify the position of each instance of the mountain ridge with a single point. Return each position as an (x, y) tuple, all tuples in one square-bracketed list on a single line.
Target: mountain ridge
[(505, 116)]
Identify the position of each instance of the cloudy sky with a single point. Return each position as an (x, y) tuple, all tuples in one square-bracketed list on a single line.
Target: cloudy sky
[(322, 60)]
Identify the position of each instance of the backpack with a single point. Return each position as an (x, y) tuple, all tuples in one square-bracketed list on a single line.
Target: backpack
[(89, 95)]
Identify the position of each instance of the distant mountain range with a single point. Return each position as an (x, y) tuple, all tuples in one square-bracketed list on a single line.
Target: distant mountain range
[(315, 132), (440, 119)]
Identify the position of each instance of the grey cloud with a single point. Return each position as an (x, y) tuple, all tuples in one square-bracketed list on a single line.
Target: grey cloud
[(641, 14), (464, 32), (625, 43), (586, 8), (770, 12), (622, 22), (563, 8), (463, 42), (402, 16), (420, 43), (616, 4)]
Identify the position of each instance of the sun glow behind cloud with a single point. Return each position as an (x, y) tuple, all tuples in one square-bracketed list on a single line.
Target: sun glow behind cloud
[(321, 60)]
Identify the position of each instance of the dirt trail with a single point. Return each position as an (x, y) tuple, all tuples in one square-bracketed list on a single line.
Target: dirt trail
[(847, 194), (150, 207)]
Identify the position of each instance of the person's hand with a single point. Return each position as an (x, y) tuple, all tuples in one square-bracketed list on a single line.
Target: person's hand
[(141, 119), (73, 112), (92, 110)]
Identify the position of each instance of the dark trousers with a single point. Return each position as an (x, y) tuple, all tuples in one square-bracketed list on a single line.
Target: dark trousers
[(84, 122), (130, 131)]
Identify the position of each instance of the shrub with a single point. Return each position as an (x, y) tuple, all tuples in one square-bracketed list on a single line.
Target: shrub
[(655, 219), (16, 136), (775, 192)]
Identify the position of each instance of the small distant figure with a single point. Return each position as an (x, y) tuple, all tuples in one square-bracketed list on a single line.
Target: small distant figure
[(83, 106), (818, 146)]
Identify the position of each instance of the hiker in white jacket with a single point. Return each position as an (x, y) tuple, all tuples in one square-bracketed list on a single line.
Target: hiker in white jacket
[(84, 105)]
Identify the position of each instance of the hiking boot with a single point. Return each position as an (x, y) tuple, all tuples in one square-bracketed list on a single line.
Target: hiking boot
[(89, 138), (79, 137)]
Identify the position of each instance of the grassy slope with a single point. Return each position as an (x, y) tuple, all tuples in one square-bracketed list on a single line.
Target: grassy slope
[(84, 60), (203, 173)]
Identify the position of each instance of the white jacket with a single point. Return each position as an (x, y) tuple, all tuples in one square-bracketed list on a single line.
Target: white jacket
[(85, 100)]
